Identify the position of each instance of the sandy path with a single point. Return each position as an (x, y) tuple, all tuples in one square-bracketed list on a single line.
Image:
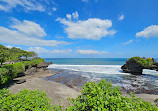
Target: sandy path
[(58, 93)]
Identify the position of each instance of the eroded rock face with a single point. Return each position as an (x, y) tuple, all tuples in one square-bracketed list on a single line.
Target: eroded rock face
[(132, 68)]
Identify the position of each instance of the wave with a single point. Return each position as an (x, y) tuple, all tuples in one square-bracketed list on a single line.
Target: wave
[(106, 69), (146, 82)]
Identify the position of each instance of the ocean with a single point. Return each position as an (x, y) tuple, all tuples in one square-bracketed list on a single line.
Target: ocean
[(75, 72)]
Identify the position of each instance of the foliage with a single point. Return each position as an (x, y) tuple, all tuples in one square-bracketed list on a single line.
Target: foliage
[(4, 76), (14, 54), (4, 93), (34, 62), (103, 96), (143, 62), (24, 100), (10, 71), (3, 56), (100, 96), (156, 102)]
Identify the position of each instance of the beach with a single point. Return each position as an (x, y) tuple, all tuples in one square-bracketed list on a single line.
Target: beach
[(56, 91)]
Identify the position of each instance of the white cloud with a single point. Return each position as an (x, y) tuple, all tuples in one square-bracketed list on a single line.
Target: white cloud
[(93, 28), (68, 16), (26, 38), (121, 17), (54, 9), (128, 42), (96, 1), (38, 49), (26, 4), (85, 0), (75, 15), (43, 50), (61, 51), (9, 46), (151, 31), (50, 13), (89, 0), (88, 52), (29, 28)]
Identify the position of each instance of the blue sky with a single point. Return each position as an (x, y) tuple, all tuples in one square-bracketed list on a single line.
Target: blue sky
[(81, 28)]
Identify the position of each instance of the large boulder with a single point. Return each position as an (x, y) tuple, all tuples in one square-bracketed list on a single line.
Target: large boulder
[(135, 65), (132, 68)]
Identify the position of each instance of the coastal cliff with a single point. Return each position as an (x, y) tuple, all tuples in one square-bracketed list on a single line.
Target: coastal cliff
[(135, 65)]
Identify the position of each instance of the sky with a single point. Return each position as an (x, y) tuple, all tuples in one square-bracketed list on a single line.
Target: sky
[(81, 28)]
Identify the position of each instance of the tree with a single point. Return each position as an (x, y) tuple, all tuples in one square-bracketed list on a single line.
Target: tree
[(3, 56), (14, 54)]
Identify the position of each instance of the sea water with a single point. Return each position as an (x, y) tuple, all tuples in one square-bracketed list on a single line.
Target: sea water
[(75, 72)]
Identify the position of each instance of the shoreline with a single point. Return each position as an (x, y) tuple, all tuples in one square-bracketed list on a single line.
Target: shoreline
[(57, 92)]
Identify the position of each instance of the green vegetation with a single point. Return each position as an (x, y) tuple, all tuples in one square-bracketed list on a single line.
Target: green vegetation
[(32, 63), (156, 102), (24, 100), (143, 62), (100, 96), (10, 71), (103, 96), (14, 54)]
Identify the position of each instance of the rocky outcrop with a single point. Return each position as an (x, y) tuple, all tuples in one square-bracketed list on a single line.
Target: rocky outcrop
[(42, 66), (132, 68), (136, 65)]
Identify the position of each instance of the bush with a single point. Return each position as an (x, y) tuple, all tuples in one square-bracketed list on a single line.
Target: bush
[(4, 75), (35, 62), (100, 96), (24, 100), (20, 67), (143, 62), (10, 71), (156, 101), (4, 93), (103, 96)]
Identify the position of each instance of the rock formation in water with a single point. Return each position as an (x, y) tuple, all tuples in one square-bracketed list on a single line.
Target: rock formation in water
[(135, 65)]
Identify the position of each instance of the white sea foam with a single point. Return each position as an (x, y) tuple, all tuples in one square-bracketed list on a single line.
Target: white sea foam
[(106, 69), (147, 71), (112, 73)]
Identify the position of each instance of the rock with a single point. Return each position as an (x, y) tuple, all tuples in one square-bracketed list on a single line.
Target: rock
[(30, 71), (39, 68), (132, 68), (21, 81), (135, 65), (44, 64)]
